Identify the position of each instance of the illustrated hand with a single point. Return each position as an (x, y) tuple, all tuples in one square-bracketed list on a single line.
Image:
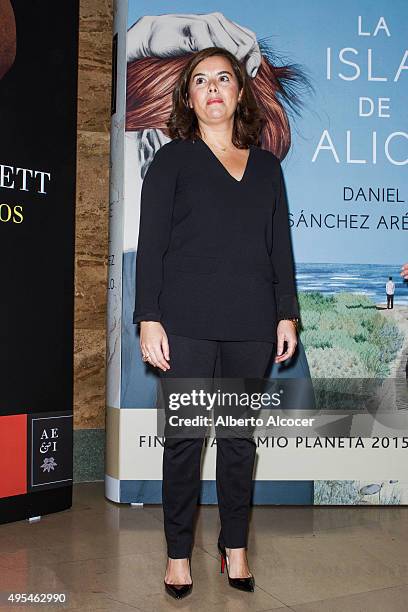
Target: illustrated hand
[(174, 34), (148, 142), (285, 331), (154, 342), (404, 271)]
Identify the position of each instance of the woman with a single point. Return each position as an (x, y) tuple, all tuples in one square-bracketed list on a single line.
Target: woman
[(208, 283)]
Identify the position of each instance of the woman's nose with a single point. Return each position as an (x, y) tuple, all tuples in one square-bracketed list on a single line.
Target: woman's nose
[(212, 87)]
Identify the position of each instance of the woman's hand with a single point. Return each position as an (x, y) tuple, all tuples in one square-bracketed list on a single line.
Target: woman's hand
[(286, 331), (154, 343)]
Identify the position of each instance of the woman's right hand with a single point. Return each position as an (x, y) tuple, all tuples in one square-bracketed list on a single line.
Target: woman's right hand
[(154, 342)]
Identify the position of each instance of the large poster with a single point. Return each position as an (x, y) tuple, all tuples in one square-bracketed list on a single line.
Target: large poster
[(337, 95), (38, 93)]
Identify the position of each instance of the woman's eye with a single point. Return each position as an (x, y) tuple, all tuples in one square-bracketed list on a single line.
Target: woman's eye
[(199, 80)]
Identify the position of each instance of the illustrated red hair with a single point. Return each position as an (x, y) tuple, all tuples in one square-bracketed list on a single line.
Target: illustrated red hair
[(151, 81)]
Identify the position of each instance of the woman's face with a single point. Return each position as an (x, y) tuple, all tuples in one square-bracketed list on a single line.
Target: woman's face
[(213, 90)]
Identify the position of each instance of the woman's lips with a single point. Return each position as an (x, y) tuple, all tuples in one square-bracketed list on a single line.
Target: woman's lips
[(215, 100)]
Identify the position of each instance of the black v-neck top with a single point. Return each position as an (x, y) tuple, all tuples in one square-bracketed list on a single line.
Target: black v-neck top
[(214, 257)]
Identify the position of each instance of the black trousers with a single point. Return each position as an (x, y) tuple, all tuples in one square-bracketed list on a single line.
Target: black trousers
[(192, 357), (390, 300)]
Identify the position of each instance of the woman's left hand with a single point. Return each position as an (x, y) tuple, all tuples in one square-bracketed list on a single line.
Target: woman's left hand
[(286, 331)]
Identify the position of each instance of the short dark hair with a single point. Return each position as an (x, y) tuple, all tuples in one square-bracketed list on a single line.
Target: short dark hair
[(248, 120)]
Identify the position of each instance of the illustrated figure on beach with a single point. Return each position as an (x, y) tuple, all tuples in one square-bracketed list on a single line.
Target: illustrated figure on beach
[(390, 290)]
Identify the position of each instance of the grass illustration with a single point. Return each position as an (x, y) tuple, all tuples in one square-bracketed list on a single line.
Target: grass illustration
[(346, 336)]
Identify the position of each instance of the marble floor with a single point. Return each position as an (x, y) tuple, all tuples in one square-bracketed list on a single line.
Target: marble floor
[(107, 556)]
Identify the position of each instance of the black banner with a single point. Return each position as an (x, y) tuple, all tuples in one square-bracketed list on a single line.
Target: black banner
[(38, 109)]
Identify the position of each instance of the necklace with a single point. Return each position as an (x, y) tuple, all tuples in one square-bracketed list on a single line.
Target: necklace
[(217, 145)]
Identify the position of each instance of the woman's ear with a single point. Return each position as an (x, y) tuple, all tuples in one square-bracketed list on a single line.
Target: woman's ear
[(8, 37)]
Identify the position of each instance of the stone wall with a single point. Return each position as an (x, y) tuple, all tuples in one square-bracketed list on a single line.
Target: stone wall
[(92, 200)]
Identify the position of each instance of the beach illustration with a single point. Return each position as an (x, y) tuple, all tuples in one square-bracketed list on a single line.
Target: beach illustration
[(347, 329), (350, 333)]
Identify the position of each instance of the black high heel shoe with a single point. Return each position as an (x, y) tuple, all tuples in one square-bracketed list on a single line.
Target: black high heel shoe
[(244, 584), (178, 591)]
